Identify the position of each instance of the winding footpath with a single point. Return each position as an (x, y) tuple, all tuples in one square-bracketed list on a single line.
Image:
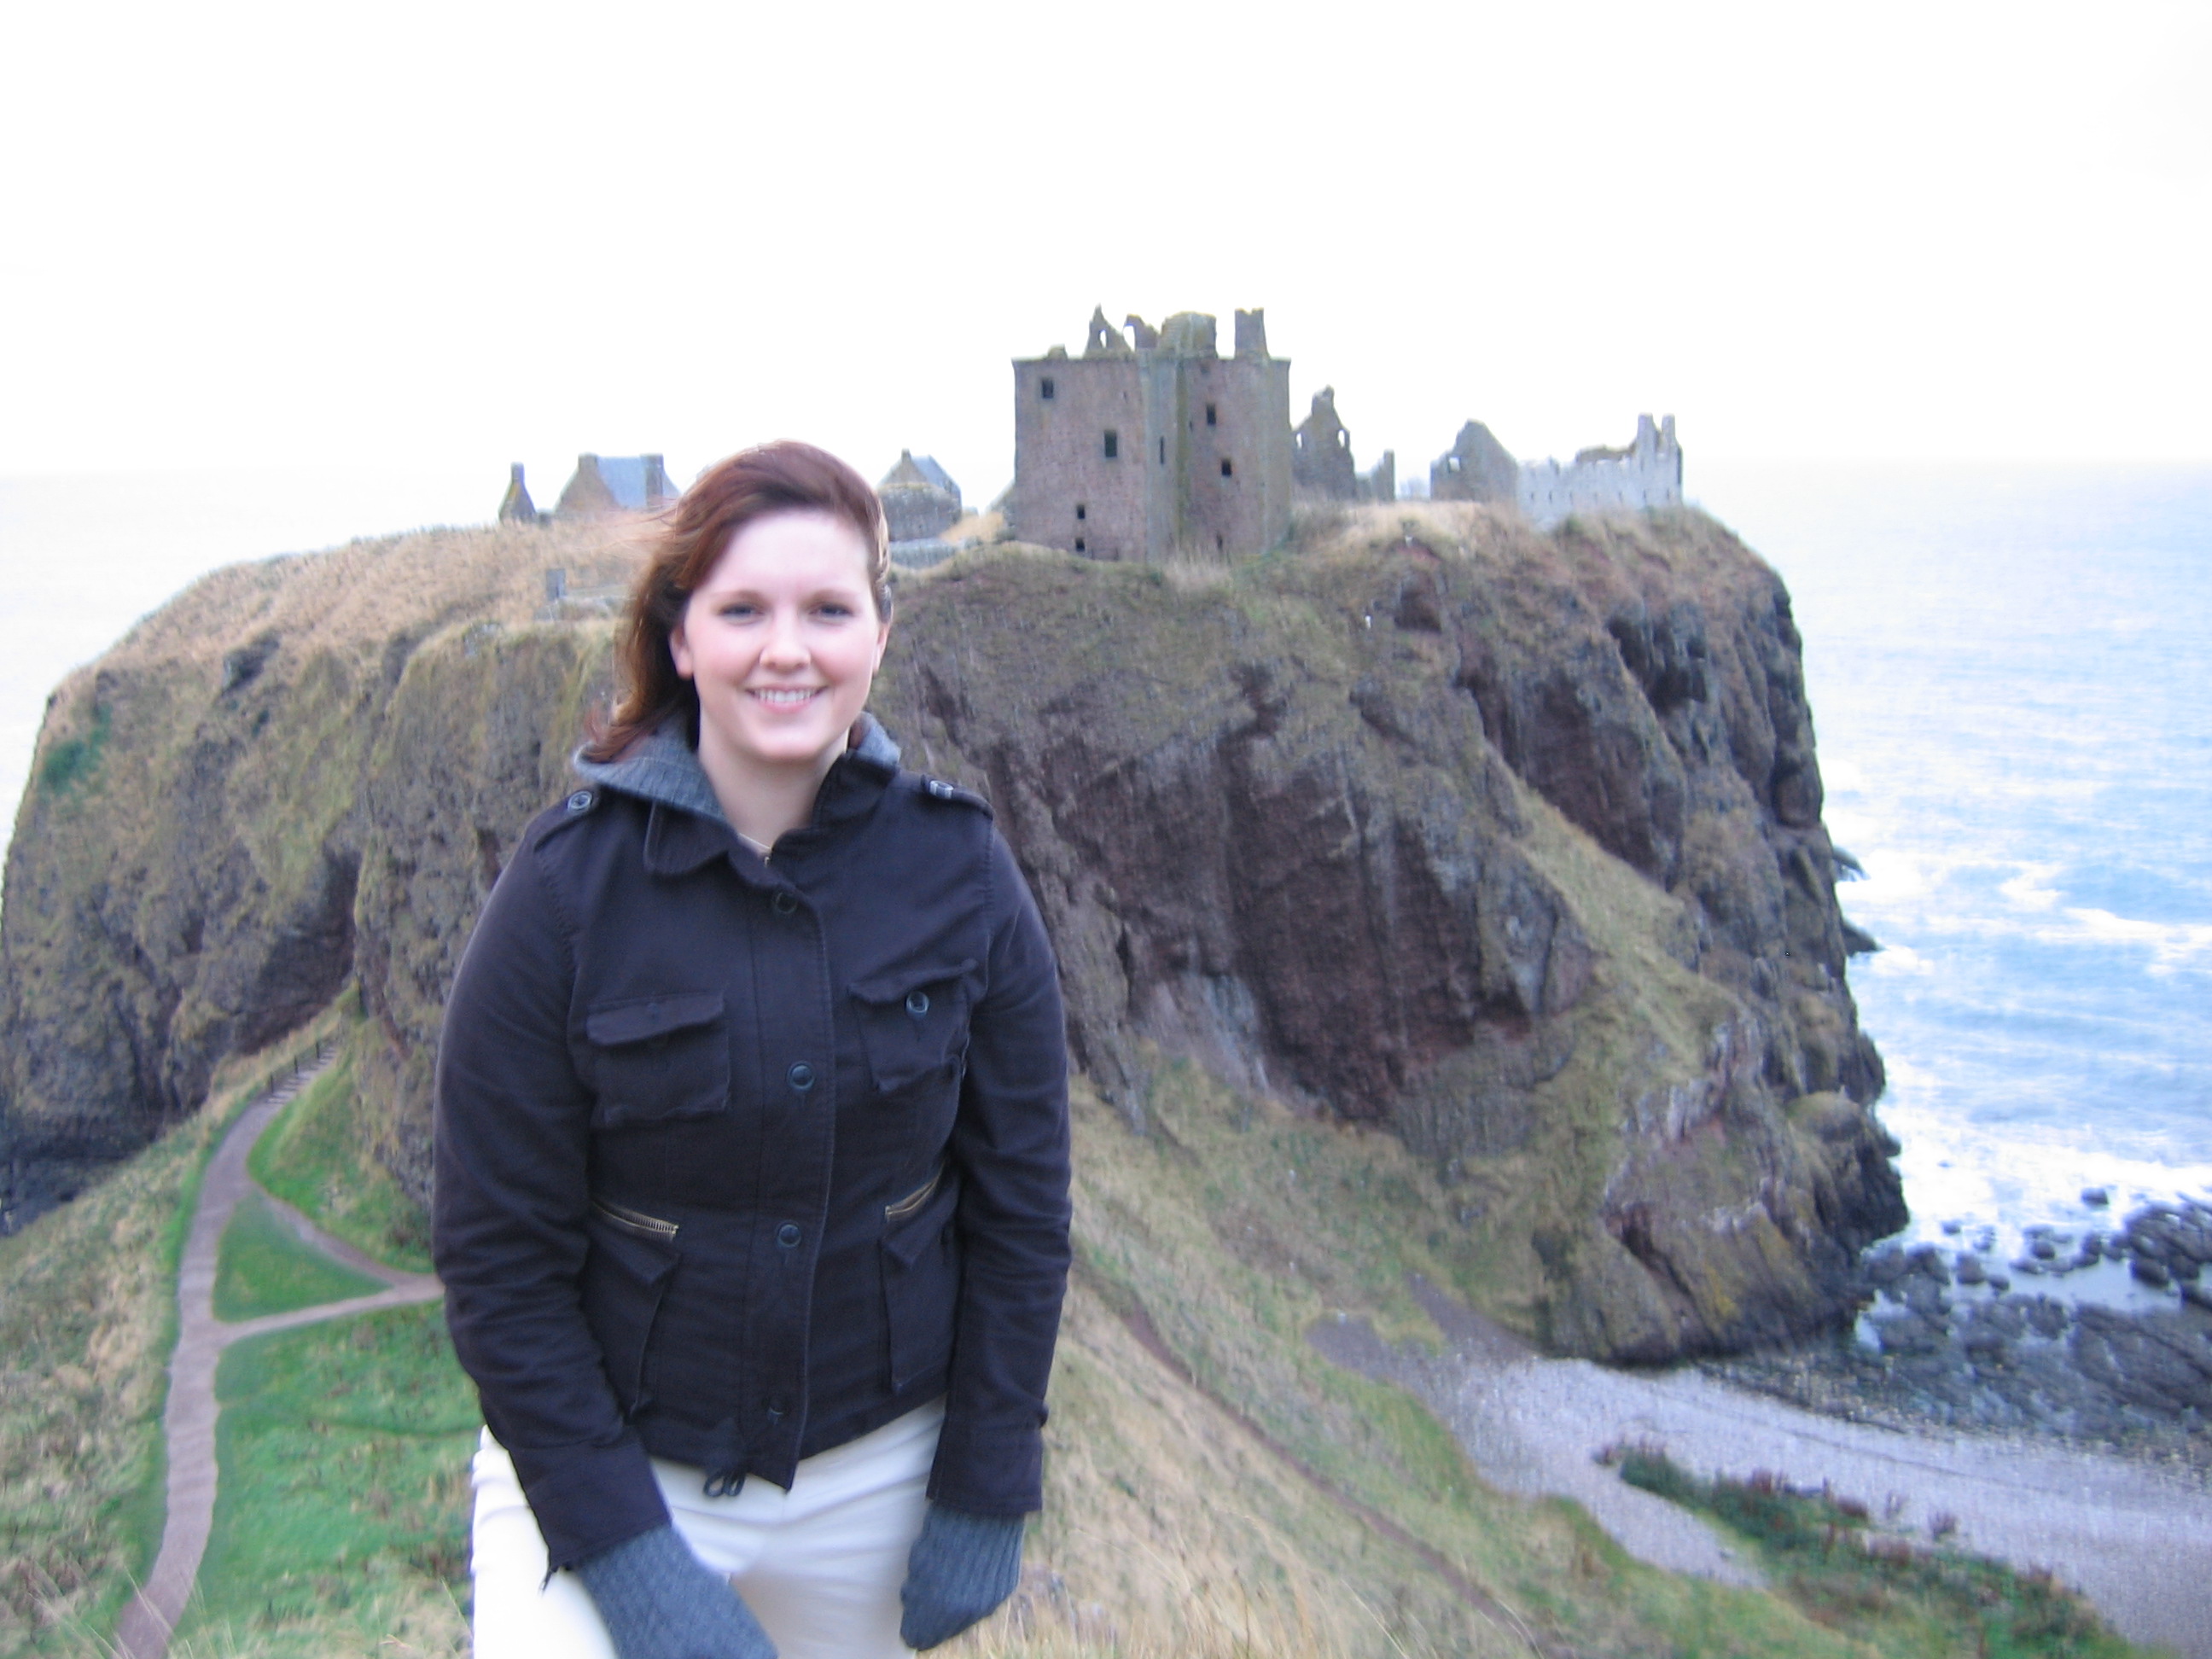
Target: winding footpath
[(188, 1423)]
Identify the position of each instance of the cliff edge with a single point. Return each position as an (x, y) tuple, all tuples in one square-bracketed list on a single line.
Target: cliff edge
[(1506, 844)]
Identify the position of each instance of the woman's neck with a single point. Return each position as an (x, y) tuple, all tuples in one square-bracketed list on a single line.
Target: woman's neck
[(762, 803)]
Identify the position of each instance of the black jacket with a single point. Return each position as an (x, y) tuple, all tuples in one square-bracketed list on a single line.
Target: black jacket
[(738, 1159)]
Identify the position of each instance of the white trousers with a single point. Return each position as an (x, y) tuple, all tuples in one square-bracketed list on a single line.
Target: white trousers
[(820, 1565)]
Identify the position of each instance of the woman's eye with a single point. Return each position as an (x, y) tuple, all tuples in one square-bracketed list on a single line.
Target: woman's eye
[(739, 611)]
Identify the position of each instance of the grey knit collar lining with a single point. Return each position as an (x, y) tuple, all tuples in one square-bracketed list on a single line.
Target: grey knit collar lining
[(664, 767)]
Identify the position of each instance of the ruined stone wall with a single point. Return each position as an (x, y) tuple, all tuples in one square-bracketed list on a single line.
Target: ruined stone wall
[(1235, 486), (1321, 467), (1476, 468), (1647, 474)]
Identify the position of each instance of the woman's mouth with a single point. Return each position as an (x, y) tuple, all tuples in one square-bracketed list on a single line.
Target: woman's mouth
[(784, 697)]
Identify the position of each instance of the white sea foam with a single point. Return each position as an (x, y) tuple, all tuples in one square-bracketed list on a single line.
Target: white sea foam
[(2172, 945)]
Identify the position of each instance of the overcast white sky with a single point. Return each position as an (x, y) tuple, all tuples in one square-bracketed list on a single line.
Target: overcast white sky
[(439, 237)]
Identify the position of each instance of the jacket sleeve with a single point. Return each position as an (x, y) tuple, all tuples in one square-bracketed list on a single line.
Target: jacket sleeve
[(1010, 1145), (512, 1122)]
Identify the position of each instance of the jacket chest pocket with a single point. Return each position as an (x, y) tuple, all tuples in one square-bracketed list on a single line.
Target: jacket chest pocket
[(913, 1022), (659, 1057)]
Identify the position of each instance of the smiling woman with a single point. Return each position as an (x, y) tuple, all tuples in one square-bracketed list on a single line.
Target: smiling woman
[(780, 644), (752, 1091)]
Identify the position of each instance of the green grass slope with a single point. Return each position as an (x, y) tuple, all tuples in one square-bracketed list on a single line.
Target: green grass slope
[(1215, 1487), (319, 1158), (263, 1267), (341, 1522), (87, 1319)]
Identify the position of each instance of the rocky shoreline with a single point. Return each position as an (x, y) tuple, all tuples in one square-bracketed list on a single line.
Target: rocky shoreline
[(1952, 1340)]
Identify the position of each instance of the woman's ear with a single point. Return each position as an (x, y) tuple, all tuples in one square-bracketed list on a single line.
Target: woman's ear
[(679, 652)]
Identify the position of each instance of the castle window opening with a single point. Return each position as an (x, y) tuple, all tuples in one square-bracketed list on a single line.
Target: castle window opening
[(1078, 544), (1112, 444), (1079, 512), (1164, 451), (1044, 388), (1225, 466), (1213, 415)]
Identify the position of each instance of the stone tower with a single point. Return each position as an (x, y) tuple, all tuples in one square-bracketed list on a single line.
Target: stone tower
[(1138, 452)]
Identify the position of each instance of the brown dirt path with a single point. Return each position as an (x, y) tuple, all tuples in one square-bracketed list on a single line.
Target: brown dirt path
[(188, 1423)]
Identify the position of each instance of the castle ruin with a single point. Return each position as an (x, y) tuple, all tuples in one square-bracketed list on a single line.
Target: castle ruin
[(1154, 444)]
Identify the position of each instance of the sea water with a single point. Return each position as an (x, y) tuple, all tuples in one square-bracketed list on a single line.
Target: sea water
[(2009, 677), (2009, 674)]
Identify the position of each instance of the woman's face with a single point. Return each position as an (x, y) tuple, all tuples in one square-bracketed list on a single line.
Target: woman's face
[(782, 642)]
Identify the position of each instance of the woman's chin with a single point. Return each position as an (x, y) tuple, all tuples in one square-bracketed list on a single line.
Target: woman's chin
[(791, 750)]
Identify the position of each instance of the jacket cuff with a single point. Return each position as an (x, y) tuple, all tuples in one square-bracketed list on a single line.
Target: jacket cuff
[(988, 1471), (589, 1498)]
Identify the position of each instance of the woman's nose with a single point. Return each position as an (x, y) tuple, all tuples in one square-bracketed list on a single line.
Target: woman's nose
[(787, 642)]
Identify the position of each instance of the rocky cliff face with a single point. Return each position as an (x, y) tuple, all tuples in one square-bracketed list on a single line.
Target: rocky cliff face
[(1507, 844)]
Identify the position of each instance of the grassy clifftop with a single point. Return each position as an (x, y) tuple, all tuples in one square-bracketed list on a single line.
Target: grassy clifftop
[(190, 840), (1433, 898), (1509, 843)]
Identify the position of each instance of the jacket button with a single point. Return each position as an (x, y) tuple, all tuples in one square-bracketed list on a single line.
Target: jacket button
[(917, 1003), (580, 801), (801, 1077), (787, 1235), (783, 904), (775, 1406)]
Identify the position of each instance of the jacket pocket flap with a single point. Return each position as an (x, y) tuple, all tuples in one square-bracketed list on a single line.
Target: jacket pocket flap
[(647, 1262), (893, 984), (636, 1019), (917, 1230)]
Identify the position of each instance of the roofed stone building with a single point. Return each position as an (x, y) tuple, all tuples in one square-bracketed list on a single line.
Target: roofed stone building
[(516, 506), (605, 484), (1155, 444), (921, 501)]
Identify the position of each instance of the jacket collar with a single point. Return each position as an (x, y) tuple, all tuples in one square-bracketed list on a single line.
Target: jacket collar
[(687, 829)]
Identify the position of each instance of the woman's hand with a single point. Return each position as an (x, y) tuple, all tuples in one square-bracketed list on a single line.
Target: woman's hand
[(960, 1569), (659, 1601)]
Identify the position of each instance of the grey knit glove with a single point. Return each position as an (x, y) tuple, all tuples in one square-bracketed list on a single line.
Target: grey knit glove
[(959, 1570), (660, 1601)]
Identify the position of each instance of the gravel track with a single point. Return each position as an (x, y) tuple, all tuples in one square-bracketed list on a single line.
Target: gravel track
[(2134, 1537)]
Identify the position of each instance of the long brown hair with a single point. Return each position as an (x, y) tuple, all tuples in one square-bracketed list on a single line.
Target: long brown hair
[(753, 483)]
